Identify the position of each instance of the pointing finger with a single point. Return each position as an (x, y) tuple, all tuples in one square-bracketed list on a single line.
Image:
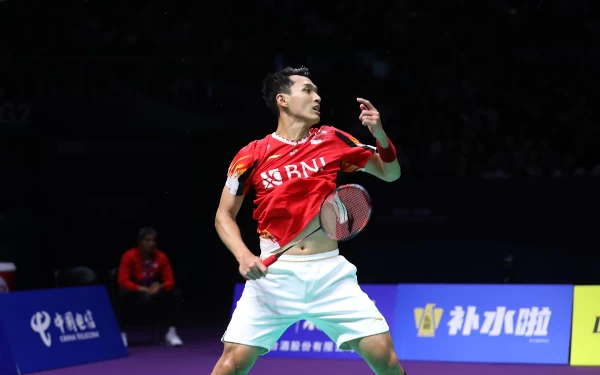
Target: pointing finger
[(366, 103)]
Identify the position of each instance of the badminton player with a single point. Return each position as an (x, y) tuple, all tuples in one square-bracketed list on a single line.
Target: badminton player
[(291, 172)]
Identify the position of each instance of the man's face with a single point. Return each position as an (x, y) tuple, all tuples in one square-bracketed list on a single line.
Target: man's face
[(303, 102), (148, 244)]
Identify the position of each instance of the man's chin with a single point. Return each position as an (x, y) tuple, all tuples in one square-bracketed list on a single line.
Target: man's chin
[(310, 121)]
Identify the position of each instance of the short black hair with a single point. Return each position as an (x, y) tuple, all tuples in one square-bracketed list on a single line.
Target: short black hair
[(146, 231), (280, 82)]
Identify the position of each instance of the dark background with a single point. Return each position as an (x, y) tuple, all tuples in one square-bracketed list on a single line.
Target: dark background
[(117, 116)]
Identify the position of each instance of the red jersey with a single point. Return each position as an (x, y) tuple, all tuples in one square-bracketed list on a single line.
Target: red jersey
[(134, 272), (291, 179)]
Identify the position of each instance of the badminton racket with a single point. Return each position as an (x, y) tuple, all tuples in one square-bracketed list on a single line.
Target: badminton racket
[(344, 213)]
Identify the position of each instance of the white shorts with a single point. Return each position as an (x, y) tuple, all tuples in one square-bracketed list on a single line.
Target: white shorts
[(320, 288)]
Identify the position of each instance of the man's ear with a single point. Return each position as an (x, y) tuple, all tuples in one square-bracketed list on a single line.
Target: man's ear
[(282, 100)]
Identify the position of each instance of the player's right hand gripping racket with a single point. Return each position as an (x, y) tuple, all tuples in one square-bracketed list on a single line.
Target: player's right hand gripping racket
[(344, 213)]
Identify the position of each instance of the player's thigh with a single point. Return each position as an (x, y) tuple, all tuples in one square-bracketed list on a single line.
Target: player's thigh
[(376, 349), (261, 332), (344, 312), (265, 310)]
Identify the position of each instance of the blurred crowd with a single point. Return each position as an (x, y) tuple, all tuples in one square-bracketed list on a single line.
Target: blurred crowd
[(468, 89)]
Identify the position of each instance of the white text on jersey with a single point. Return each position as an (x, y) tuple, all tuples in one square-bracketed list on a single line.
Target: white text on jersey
[(273, 177)]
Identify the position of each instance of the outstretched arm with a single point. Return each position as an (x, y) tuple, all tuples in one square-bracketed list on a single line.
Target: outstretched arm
[(384, 164)]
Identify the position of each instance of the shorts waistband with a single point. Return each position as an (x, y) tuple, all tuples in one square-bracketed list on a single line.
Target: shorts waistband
[(306, 258)]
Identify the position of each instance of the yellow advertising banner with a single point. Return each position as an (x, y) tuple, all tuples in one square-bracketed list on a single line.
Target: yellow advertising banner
[(585, 338)]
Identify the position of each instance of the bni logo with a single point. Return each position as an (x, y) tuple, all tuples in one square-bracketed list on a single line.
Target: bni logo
[(427, 320)]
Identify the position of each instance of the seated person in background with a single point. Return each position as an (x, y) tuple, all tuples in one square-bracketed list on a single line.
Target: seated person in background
[(146, 277)]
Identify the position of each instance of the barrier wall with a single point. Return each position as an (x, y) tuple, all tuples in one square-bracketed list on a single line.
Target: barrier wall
[(585, 339), (7, 362), (457, 323), (54, 328), (484, 323)]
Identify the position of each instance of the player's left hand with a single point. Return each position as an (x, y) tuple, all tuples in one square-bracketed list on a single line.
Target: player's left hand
[(369, 116), (155, 288)]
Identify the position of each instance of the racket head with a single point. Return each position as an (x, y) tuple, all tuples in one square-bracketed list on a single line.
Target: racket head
[(345, 212)]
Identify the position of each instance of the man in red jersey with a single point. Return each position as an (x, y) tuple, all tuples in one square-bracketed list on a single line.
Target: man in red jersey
[(146, 277), (291, 171)]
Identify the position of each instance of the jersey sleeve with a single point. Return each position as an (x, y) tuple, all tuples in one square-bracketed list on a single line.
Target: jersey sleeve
[(355, 154), (241, 169), (125, 271)]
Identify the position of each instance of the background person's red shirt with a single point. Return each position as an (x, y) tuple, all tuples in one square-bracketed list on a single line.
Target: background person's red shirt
[(133, 269)]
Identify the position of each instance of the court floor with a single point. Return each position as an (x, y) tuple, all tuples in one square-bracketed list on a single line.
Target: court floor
[(200, 357)]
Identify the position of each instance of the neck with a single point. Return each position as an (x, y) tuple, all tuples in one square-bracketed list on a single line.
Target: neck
[(146, 254), (291, 129)]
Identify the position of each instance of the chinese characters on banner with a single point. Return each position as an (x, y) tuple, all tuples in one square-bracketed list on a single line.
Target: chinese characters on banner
[(484, 323), (305, 337), (72, 327), (529, 322)]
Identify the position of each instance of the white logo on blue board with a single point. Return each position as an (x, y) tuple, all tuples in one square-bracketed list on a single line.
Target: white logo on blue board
[(72, 327), (40, 322)]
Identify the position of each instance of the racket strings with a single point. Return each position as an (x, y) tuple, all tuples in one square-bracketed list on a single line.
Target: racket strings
[(345, 212)]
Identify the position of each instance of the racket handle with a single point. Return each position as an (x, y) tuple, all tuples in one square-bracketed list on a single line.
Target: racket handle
[(268, 261)]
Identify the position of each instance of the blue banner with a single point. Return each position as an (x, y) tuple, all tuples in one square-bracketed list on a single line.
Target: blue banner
[(60, 327), (7, 362), (484, 323), (305, 340)]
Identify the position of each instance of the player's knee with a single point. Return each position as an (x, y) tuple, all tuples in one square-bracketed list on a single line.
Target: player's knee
[(232, 365), (386, 362), (393, 359), (236, 362)]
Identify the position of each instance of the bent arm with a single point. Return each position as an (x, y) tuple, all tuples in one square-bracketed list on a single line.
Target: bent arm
[(124, 279), (226, 225), (167, 276), (389, 171)]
